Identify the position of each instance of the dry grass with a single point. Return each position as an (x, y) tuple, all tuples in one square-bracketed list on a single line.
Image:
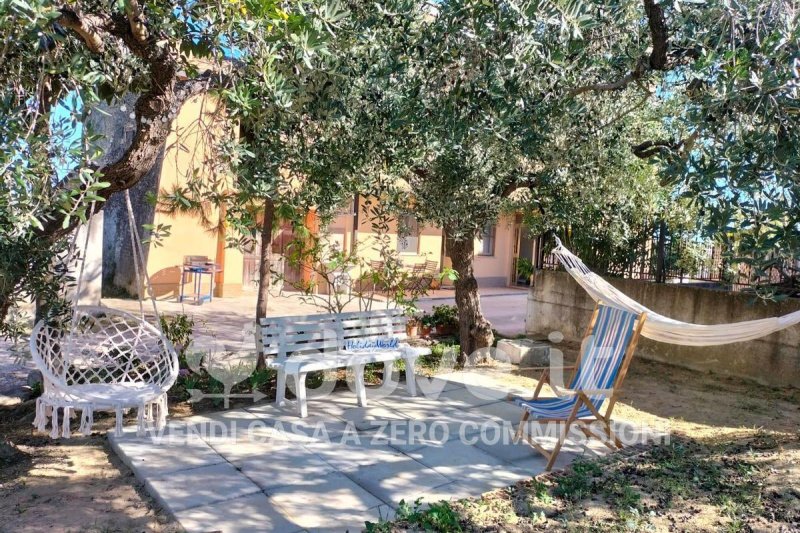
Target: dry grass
[(736, 467), (733, 464)]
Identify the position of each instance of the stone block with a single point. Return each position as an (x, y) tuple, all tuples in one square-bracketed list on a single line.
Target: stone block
[(199, 486), (525, 352)]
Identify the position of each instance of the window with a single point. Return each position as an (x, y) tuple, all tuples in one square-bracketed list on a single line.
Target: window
[(407, 235), (486, 240)]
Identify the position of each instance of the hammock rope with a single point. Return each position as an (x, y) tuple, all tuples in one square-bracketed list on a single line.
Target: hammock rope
[(664, 329)]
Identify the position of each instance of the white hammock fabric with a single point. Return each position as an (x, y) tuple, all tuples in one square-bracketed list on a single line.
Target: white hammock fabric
[(665, 329)]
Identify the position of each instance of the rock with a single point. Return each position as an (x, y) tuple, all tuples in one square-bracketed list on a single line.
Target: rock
[(9, 453), (34, 378), (525, 352), (14, 396)]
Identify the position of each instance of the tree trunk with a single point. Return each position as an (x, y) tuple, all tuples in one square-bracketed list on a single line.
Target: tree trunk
[(154, 111), (474, 331), (5, 304), (661, 274), (265, 268)]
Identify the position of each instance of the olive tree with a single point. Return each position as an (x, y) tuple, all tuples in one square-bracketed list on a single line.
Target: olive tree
[(55, 52), (594, 108), (726, 78), (471, 100)]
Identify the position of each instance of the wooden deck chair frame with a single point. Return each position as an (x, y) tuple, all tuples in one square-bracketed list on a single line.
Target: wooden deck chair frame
[(610, 440)]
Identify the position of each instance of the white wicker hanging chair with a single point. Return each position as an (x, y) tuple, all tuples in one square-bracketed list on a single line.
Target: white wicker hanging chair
[(104, 360)]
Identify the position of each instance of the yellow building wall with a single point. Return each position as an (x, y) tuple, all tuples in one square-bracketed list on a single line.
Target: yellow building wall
[(429, 248), (495, 270), (186, 152)]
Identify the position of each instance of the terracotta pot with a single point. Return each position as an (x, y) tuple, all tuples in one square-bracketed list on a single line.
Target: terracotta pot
[(411, 330), (445, 329), (425, 331)]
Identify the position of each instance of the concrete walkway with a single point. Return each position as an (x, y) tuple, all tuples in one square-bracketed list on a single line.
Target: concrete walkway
[(15, 364), (263, 469), (231, 319), (506, 308)]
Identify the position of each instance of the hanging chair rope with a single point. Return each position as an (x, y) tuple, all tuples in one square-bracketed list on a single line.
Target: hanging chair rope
[(136, 243), (79, 281), (664, 329), (135, 252)]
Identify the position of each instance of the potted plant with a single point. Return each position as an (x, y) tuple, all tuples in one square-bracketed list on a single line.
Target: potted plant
[(426, 324), (445, 318), (525, 270), (412, 327)]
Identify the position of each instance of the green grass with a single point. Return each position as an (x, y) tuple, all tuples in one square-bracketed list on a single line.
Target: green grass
[(439, 516), (579, 482), (725, 482)]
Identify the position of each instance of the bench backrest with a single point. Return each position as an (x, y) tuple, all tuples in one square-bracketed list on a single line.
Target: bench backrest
[(286, 335)]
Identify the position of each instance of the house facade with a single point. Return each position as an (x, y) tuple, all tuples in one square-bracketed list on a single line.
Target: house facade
[(184, 156), (498, 250), (495, 248)]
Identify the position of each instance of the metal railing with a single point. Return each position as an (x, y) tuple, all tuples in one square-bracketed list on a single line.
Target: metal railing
[(712, 269)]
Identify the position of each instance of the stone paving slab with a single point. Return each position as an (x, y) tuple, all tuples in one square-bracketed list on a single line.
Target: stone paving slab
[(399, 480), (248, 514), (507, 450), (396, 433), (348, 455), (333, 500), (246, 446), (186, 489), (148, 458), (262, 468), (287, 466), (15, 365), (472, 396), (453, 491), (234, 419), (435, 384), (463, 462), (370, 417), (501, 411)]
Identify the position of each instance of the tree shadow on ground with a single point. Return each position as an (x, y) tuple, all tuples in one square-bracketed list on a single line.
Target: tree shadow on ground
[(699, 404)]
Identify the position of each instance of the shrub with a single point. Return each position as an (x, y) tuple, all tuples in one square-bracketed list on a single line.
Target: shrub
[(178, 330), (445, 315)]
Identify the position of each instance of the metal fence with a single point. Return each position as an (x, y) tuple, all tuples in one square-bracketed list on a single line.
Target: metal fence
[(711, 268)]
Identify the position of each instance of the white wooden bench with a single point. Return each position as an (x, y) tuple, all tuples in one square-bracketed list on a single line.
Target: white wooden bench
[(297, 345)]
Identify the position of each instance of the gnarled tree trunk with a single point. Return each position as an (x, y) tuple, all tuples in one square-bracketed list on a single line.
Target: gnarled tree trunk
[(154, 109), (474, 331)]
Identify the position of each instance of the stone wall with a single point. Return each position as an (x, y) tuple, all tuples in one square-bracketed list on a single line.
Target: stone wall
[(557, 303)]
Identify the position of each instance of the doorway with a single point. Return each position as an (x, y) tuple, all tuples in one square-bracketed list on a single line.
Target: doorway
[(522, 265)]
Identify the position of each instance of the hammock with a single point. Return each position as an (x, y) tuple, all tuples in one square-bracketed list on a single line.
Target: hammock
[(104, 359), (665, 329)]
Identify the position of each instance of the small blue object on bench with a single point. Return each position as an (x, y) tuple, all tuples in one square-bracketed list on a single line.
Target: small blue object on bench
[(302, 344), (358, 345)]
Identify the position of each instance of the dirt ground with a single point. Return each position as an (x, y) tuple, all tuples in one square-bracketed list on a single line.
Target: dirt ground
[(79, 485), (76, 485)]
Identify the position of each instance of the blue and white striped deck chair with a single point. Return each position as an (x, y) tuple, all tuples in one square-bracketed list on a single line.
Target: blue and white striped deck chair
[(599, 371)]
